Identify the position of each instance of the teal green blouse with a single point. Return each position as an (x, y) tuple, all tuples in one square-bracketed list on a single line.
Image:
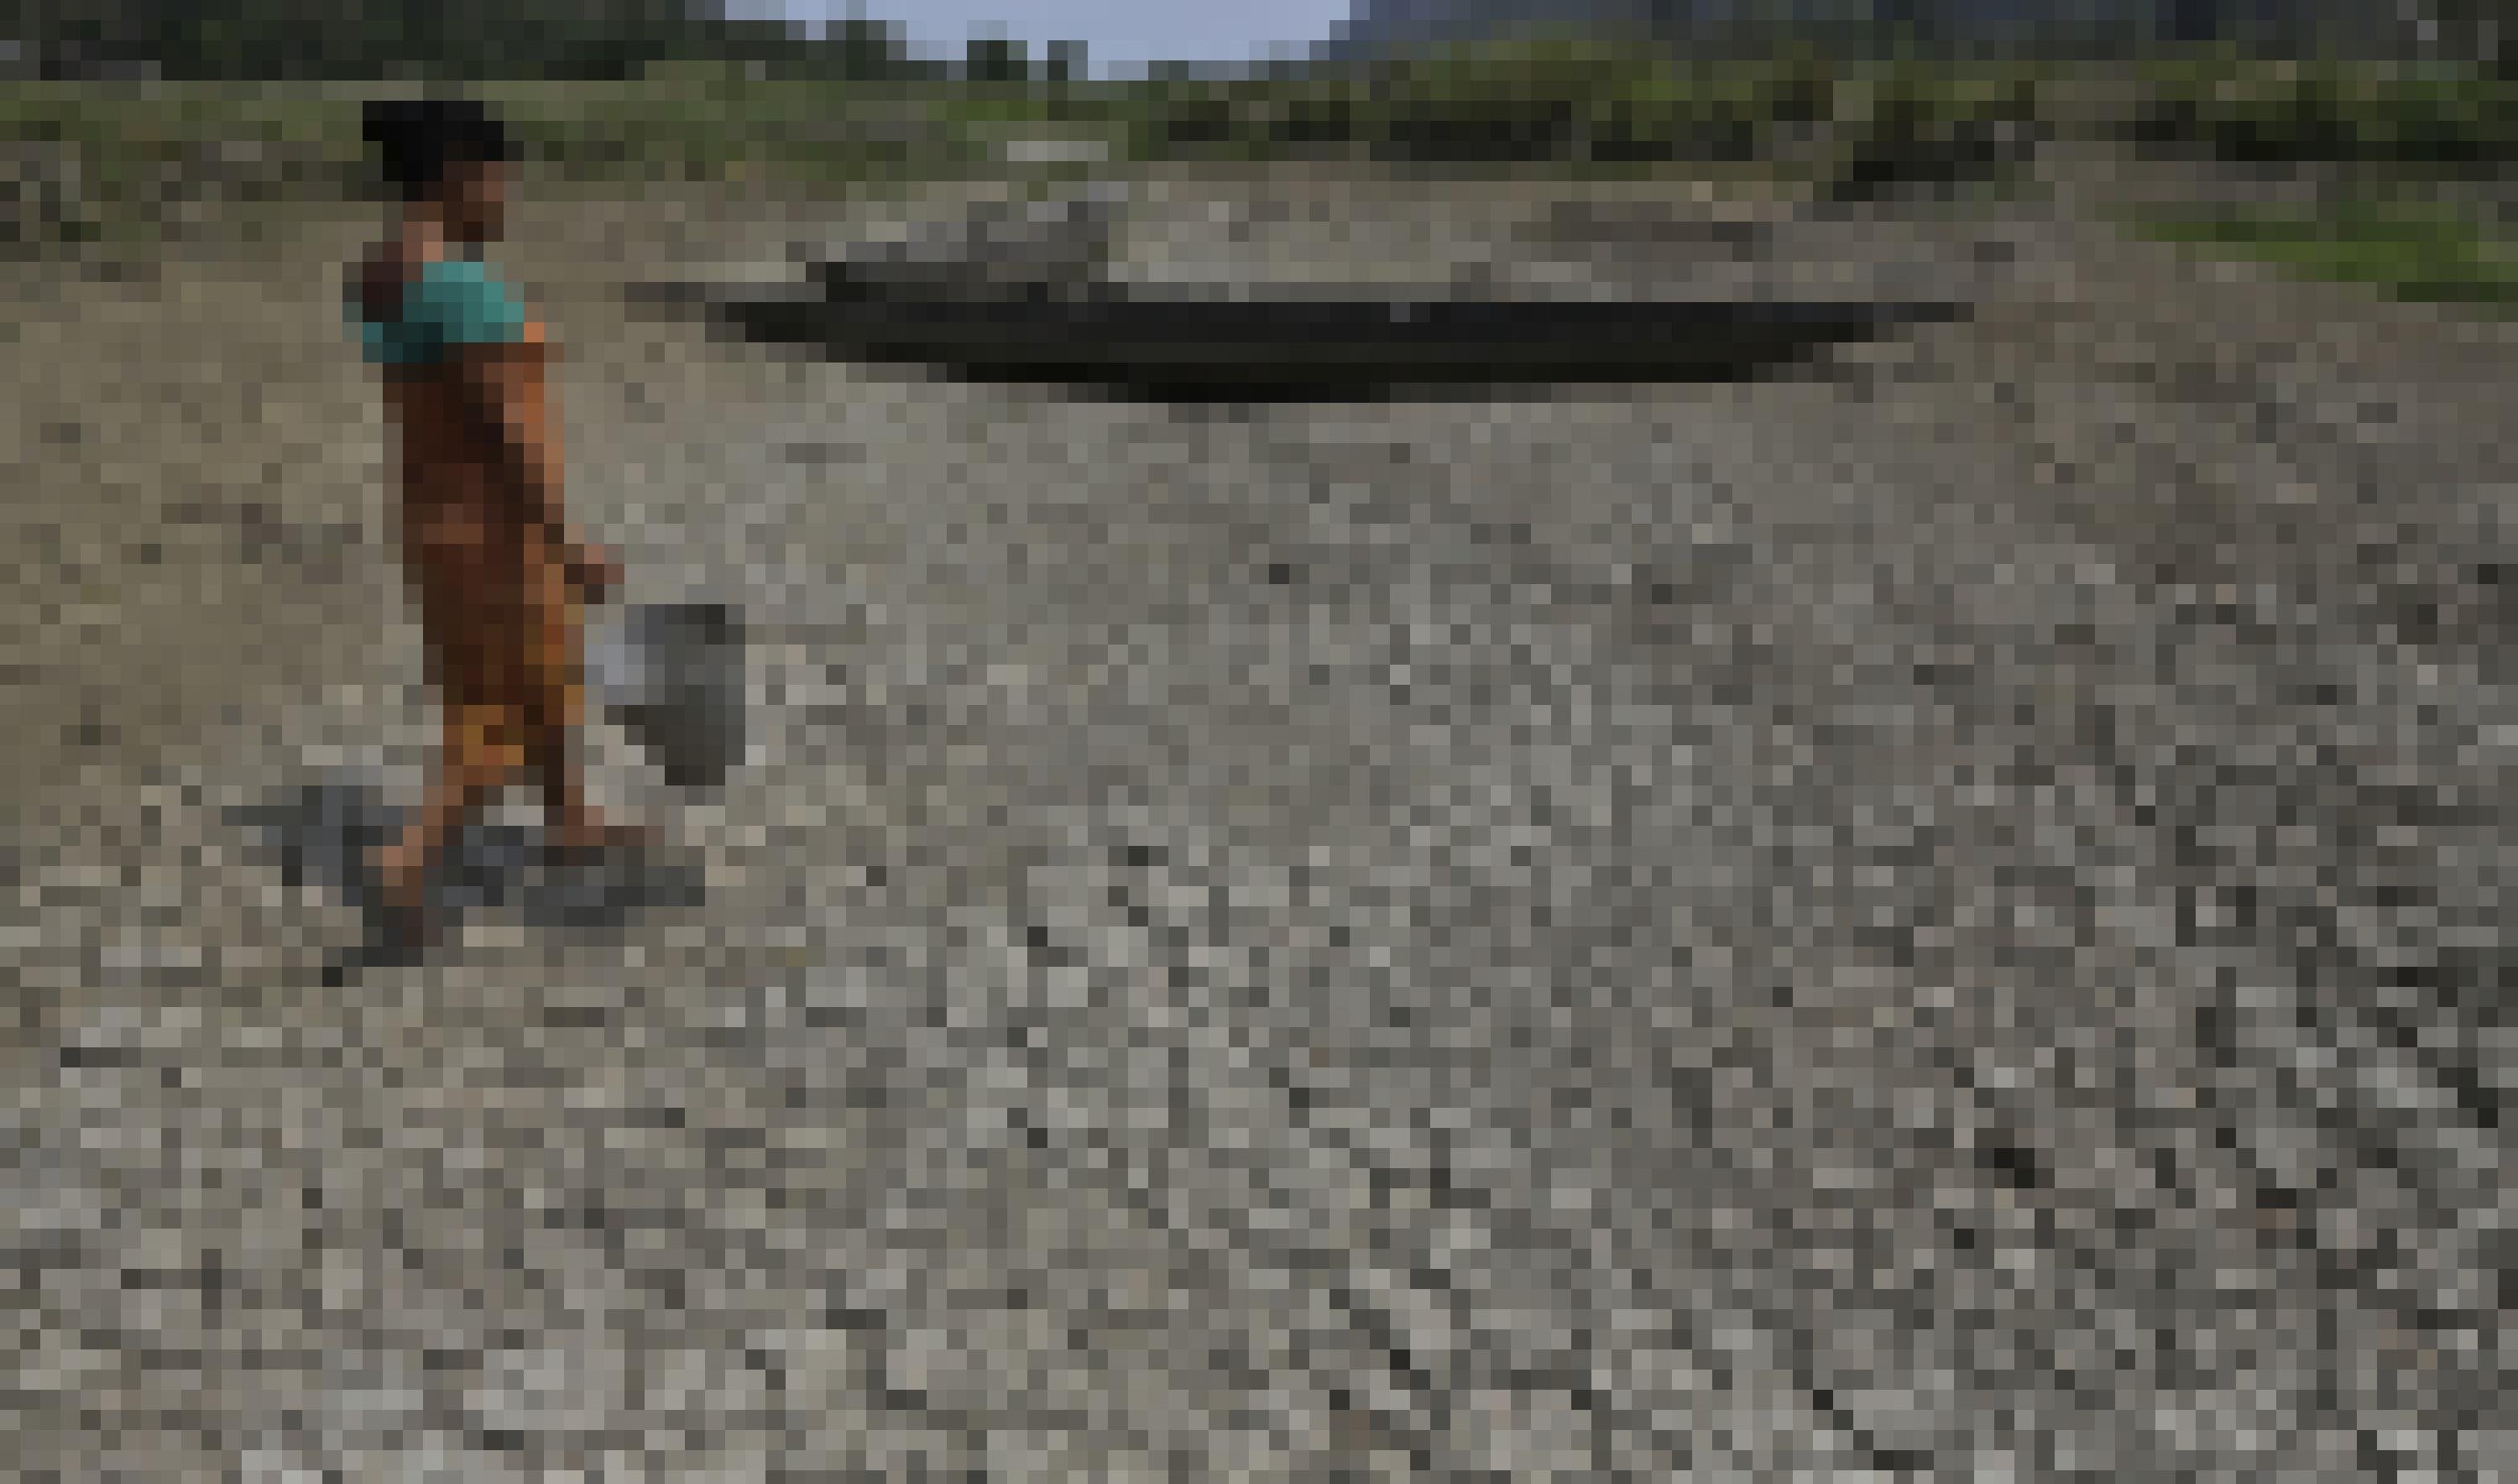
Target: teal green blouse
[(450, 303)]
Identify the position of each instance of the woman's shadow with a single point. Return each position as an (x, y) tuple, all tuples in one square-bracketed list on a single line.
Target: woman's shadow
[(670, 673), (325, 835)]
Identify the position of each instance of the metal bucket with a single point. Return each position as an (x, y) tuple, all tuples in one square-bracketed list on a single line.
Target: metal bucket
[(673, 675)]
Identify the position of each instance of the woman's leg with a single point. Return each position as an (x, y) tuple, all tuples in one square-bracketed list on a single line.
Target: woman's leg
[(574, 823), (477, 755), (478, 750)]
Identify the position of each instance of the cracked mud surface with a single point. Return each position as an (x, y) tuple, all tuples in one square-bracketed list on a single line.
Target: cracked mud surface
[(1936, 917)]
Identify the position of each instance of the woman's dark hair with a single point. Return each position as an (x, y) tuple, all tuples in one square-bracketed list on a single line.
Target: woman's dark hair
[(419, 141)]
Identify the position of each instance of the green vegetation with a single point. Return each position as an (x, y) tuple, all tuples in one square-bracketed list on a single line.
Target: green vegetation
[(302, 40), (82, 162), (1569, 99), (2284, 112), (2413, 254), (699, 125), (667, 96)]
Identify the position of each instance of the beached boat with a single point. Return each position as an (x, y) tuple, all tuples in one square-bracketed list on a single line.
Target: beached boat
[(1241, 341)]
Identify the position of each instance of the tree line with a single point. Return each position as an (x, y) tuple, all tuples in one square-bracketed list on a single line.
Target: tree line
[(2065, 30), (572, 39)]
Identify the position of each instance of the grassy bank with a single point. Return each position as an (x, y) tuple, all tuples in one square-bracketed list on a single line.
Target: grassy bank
[(2288, 112), (124, 162), (1568, 102), (101, 161), (2415, 254)]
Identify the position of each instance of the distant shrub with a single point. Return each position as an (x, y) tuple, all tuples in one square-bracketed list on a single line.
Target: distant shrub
[(2330, 113), (1522, 99), (1332, 113), (1566, 97), (1170, 119)]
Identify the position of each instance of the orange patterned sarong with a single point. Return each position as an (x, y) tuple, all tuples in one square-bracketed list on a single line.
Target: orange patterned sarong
[(502, 623)]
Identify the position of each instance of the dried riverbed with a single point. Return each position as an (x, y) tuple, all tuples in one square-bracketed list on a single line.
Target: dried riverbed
[(1942, 916)]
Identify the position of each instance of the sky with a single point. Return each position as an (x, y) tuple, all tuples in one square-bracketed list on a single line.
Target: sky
[(1114, 33)]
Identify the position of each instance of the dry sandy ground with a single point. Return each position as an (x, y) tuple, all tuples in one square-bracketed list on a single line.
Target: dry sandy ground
[(1940, 919)]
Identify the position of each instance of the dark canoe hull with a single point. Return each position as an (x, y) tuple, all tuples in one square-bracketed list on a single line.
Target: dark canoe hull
[(1208, 343)]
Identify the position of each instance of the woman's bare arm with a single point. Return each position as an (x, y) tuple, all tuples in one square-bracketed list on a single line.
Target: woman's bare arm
[(510, 388), (507, 388)]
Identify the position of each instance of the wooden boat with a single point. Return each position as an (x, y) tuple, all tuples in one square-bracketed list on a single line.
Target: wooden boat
[(1234, 341)]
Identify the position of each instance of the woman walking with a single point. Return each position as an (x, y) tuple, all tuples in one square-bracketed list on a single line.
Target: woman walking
[(499, 574)]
